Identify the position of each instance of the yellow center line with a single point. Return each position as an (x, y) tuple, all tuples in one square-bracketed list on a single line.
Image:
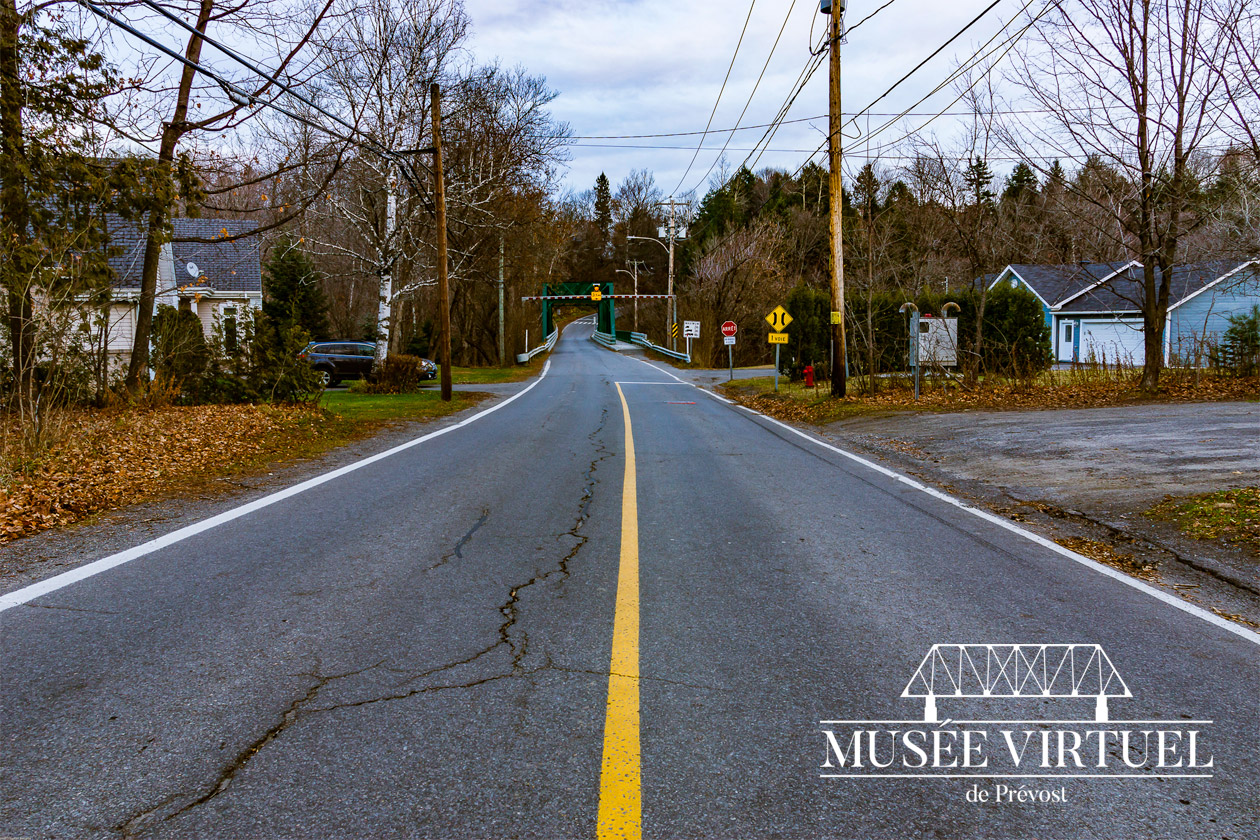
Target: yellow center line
[(620, 796)]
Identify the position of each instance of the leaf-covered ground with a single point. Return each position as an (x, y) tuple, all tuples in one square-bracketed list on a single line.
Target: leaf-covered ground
[(1229, 515), (797, 403), (106, 459)]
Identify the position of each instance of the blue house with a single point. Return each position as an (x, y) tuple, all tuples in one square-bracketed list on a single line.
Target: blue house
[(1094, 310)]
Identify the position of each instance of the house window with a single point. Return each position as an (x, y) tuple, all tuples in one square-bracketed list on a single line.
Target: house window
[(1067, 333), (1014, 283), (229, 328)]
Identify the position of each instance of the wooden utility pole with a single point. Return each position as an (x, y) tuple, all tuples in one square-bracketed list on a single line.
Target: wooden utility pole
[(502, 345), (837, 206), (444, 287)]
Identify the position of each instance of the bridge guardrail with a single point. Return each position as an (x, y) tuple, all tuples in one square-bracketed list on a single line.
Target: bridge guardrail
[(604, 338), (522, 358), (642, 340)]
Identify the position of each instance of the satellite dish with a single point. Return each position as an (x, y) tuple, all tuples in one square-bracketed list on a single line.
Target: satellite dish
[(193, 271)]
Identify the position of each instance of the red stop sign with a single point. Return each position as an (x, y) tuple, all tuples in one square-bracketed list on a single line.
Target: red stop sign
[(729, 329)]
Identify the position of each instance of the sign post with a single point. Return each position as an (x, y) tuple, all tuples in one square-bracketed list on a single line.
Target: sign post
[(729, 329), (778, 320), (691, 329)]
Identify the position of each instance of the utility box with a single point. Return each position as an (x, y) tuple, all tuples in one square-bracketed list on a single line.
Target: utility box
[(938, 341)]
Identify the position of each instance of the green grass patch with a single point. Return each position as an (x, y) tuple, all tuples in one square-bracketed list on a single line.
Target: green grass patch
[(423, 405), (492, 375), (1232, 516)]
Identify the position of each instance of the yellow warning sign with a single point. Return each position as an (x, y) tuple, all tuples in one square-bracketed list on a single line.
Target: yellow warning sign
[(597, 293), (779, 319), (778, 338)]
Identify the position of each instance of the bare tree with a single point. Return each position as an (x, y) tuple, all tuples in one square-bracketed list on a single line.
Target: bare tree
[(1133, 84)]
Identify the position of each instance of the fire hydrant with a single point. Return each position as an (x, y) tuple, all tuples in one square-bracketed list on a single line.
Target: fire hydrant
[(809, 376)]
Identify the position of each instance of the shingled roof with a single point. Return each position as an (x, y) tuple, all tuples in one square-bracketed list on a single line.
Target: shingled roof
[(1123, 293), (225, 265), (1055, 283)]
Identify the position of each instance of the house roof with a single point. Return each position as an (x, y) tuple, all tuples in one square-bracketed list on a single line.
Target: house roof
[(1055, 283), (228, 265), (233, 265), (127, 240), (1123, 293)]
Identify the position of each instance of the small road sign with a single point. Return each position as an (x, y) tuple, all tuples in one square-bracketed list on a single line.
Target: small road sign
[(691, 329), (729, 328), (779, 319), (835, 318), (673, 329), (778, 338), (597, 293), (728, 339)]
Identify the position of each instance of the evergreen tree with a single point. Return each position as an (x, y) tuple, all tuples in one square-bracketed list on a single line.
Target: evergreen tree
[(294, 296), (978, 178), (603, 208), (1021, 183)]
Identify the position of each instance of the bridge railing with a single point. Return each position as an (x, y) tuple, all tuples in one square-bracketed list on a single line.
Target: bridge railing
[(522, 358), (640, 339)]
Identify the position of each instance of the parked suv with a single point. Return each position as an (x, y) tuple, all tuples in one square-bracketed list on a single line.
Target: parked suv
[(338, 360)]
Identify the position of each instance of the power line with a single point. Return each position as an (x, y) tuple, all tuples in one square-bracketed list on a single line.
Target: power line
[(721, 90), (914, 70), (240, 97), (760, 76)]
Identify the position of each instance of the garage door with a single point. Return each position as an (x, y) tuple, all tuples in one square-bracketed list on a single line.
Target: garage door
[(1111, 342)]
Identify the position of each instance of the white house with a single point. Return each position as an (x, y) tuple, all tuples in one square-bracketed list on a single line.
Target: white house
[(202, 270)]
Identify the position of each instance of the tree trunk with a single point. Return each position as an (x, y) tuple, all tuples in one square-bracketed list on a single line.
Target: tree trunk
[(160, 216), (16, 265)]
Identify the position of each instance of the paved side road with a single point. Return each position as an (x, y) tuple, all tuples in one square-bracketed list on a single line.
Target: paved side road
[(424, 647)]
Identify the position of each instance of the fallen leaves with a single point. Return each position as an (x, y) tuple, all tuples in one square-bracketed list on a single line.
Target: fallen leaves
[(1232, 516), (1105, 554), (794, 402), (107, 459)]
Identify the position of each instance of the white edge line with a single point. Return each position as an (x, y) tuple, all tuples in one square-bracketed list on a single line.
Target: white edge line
[(1172, 600), (52, 584)]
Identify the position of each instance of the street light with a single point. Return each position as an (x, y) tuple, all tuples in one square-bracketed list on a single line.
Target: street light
[(671, 314), (635, 275)]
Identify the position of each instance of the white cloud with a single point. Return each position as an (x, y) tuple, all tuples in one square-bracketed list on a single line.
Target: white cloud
[(654, 66)]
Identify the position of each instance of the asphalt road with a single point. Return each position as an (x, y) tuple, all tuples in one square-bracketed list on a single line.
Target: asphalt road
[(421, 648)]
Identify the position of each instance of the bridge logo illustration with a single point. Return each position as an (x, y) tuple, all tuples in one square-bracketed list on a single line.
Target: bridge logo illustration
[(1016, 671), (1070, 679)]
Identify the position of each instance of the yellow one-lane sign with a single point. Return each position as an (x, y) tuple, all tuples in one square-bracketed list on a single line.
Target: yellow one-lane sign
[(779, 319)]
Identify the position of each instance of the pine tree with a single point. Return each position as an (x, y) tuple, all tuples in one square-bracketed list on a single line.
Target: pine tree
[(978, 177), (1022, 183), (294, 296), (603, 209)]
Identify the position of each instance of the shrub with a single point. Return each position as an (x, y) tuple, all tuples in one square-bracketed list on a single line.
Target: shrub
[(398, 374), (1239, 351)]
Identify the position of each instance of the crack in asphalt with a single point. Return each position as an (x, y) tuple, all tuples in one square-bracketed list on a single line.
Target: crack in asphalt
[(517, 643), (129, 827), (458, 551)]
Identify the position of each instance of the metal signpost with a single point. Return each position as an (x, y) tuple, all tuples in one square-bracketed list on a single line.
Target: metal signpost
[(691, 329), (778, 320), (729, 328)]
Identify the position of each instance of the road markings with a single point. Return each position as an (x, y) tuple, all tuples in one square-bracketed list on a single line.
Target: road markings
[(52, 584), (1115, 574), (620, 790), (1172, 600)]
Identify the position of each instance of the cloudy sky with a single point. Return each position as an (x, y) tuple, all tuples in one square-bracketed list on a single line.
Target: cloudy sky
[(625, 67)]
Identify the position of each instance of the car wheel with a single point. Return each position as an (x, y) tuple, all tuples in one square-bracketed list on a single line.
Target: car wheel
[(325, 378)]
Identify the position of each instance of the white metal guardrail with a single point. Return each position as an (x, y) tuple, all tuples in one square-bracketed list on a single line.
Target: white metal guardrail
[(522, 358), (640, 339)]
